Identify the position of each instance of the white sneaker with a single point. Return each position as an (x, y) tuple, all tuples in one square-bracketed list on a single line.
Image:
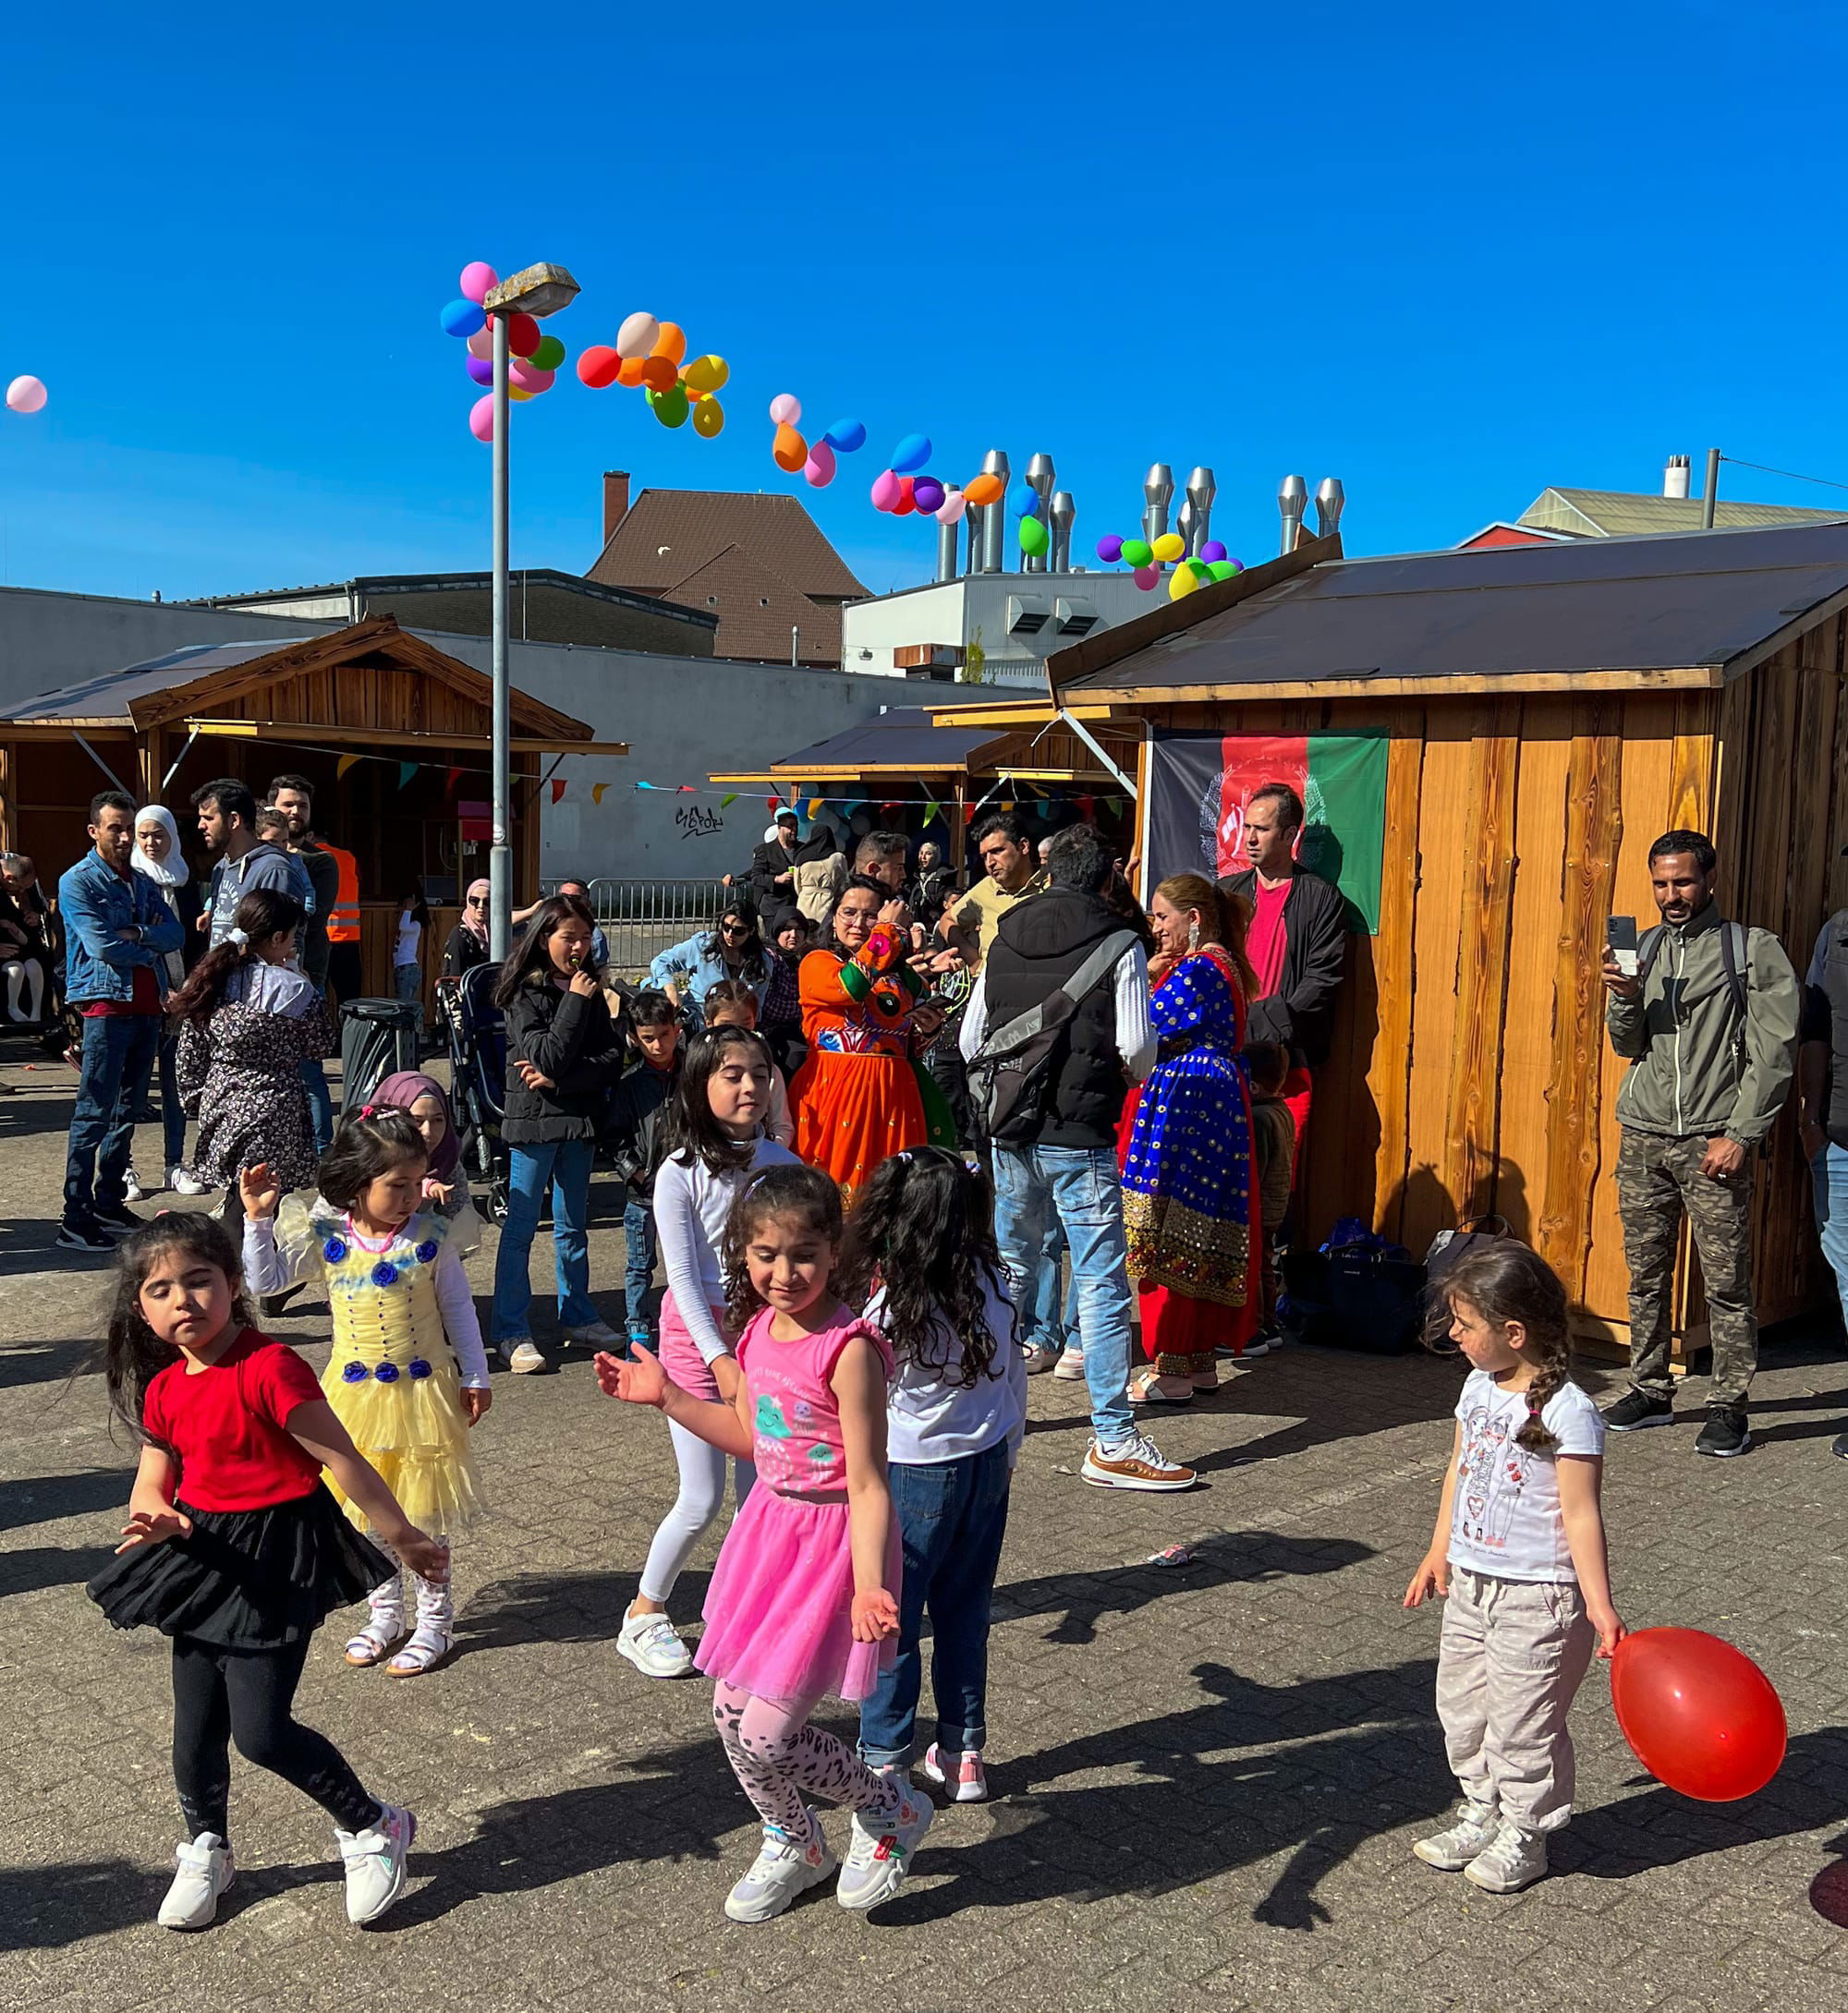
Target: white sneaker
[(784, 1868), (132, 1190), (1515, 1860), (1135, 1463), (879, 1858), (652, 1643), (969, 1784), (1070, 1366), (1451, 1850), (184, 1184), (523, 1359), (205, 1871), (595, 1335), (375, 1863)]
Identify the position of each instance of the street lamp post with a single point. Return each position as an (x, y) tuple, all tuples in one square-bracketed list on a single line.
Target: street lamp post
[(538, 291)]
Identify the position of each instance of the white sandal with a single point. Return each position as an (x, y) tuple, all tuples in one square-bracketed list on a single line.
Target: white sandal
[(384, 1627), (434, 1635)]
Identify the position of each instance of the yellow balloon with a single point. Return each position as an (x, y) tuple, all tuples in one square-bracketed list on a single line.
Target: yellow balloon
[(519, 396), (705, 374), (708, 417), (1182, 584), (1169, 547)]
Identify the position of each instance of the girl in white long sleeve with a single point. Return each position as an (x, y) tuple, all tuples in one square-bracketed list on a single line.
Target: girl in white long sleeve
[(715, 1143), (409, 1376)]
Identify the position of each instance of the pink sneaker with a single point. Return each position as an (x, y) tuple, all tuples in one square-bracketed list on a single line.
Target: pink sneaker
[(968, 1785)]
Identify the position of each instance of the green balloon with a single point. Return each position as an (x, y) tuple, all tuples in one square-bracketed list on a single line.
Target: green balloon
[(1220, 569), (1201, 570), (670, 407), (549, 354), (1033, 537), (1137, 552)]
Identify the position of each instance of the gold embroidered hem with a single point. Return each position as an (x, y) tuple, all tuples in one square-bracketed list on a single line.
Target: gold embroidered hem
[(1172, 1246)]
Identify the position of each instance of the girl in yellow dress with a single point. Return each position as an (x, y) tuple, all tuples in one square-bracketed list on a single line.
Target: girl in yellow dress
[(408, 1376)]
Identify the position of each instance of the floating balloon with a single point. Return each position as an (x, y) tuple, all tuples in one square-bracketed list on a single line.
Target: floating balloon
[(709, 418), (669, 406), (1198, 568), (638, 336), (523, 335), (518, 394), (1169, 547), (598, 365), (481, 370), (785, 410), (984, 489), (789, 450), (950, 510), (1023, 499), (481, 419), (481, 344), (1137, 552), (911, 453), (1146, 577), (1110, 550), (885, 489), (1224, 569), (705, 374), (1701, 1715), (476, 277), (845, 436), (527, 376), (1212, 549), (670, 342), (550, 353), (1034, 538), (818, 470), (908, 497), (463, 318), (928, 492), (633, 372), (1182, 582), (659, 373)]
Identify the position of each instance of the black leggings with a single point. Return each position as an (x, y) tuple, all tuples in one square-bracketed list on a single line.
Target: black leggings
[(245, 1695)]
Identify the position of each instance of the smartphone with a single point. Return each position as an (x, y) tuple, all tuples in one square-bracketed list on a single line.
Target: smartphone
[(1620, 934)]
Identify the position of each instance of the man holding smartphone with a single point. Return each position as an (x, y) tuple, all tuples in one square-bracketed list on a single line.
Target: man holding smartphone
[(1707, 1018)]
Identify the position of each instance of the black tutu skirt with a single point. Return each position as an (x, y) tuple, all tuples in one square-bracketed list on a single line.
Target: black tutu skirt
[(245, 1579)]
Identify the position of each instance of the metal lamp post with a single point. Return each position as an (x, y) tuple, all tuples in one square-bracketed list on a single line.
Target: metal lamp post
[(540, 290)]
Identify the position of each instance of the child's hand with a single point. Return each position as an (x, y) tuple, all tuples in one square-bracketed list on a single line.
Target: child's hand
[(875, 1616), (427, 1557), (438, 1191), (1609, 1624), (532, 1076), (1431, 1578), (261, 1190), (150, 1526), (640, 1382), (475, 1403)]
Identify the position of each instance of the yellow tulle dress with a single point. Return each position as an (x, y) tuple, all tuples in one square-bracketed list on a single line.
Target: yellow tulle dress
[(393, 1380)]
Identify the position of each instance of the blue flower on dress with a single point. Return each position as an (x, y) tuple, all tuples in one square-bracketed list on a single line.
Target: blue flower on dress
[(419, 1368), (426, 1252), (334, 1250), (384, 1273), (387, 1373), (356, 1373)]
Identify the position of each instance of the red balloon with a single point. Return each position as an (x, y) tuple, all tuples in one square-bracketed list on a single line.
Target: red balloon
[(1701, 1715), (522, 335), (905, 501), (598, 365)]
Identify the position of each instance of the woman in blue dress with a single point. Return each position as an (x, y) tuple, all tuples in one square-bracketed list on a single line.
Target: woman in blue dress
[(1188, 1196)]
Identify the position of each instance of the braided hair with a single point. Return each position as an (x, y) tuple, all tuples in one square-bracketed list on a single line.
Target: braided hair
[(1506, 1281)]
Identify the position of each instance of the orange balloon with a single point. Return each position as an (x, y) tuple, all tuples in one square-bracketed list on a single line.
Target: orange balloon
[(984, 489), (671, 343), (631, 371), (789, 450), (660, 373)]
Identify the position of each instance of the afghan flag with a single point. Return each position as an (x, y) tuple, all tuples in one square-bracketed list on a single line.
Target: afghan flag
[(1199, 785)]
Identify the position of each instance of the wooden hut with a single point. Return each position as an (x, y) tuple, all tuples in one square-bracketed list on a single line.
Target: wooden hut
[(393, 733), (1547, 712)]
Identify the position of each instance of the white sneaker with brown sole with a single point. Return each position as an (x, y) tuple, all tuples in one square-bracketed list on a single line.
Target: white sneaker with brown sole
[(1135, 1463)]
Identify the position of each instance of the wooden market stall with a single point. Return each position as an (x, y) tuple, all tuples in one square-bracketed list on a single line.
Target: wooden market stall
[(1547, 712), (393, 733)]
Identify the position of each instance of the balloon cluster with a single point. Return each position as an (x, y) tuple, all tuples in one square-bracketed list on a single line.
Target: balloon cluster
[(650, 356), (536, 357), (902, 487), (25, 395), (790, 451), (1148, 558)]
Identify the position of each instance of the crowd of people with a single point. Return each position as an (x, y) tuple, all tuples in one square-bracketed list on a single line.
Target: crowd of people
[(889, 1169)]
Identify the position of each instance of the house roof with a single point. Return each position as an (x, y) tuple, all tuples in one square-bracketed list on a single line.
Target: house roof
[(1593, 612), (666, 535), (755, 609), (400, 584), (902, 740), (1615, 513)]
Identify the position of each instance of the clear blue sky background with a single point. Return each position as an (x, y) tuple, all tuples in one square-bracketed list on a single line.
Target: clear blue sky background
[(1450, 254)]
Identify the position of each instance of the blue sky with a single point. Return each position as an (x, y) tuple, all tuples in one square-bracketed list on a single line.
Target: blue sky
[(1450, 254)]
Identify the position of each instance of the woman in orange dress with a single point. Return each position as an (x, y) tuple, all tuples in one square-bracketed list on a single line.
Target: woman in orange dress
[(861, 1096)]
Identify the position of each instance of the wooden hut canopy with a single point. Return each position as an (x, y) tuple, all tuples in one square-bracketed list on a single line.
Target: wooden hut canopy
[(922, 744), (357, 686), (1680, 613)]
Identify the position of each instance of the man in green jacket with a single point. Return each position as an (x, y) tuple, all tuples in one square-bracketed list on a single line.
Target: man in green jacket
[(1709, 1027)]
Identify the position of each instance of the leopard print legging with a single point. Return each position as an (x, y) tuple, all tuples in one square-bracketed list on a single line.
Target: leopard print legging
[(778, 1758)]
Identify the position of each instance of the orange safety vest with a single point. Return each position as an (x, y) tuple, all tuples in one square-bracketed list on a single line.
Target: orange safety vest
[(343, 925)]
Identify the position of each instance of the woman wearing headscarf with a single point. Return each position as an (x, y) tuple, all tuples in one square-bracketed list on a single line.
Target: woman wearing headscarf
[(468, 944), (445, 1180), (157, 858)]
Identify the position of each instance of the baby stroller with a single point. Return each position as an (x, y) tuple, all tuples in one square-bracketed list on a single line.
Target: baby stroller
[(475, 1033)]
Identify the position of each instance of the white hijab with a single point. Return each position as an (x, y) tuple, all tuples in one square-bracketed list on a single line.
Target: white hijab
[(170, 872)]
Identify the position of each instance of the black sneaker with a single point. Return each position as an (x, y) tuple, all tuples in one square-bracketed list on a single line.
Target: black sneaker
[(1636, 1409), (1840, 1450), (84, 1237), (117, 1216), (1725, 1433)]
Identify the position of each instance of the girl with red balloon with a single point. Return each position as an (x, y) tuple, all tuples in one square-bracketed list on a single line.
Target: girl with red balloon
[(1519, 1550)]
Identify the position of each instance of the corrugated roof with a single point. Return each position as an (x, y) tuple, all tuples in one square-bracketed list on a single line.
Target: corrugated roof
[(695, 525), (1616, 513), (903, 738), (1592, 606), (110, 696)]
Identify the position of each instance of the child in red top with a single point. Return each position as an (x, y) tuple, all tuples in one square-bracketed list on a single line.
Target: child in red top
[(234, 1548)]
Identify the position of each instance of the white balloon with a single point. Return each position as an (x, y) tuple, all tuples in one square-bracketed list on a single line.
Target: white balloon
[(950, 510), (638, 336), (25, 395)]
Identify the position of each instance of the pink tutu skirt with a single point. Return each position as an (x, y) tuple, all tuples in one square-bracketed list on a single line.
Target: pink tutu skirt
[(779, 1610)]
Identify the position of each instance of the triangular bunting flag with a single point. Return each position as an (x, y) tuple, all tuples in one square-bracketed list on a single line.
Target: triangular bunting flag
[(597, 790), (557, 788), (733, 798), (450, 781), (343, 765), (405, 771), (1114, 806)]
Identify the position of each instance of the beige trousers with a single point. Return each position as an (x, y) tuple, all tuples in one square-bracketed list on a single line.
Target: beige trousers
[(1513, 1654)]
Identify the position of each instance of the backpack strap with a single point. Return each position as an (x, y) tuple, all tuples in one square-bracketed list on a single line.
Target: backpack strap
[(1651, 942), (1734, 954), (1002, 1041)]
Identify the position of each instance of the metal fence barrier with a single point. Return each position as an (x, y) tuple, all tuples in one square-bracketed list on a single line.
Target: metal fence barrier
[(643, 917)]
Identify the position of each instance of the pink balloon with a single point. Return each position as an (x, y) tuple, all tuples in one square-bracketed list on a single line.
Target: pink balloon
[(886, 491), (1146, 577), (950, 510), (820, 466), (25, 395), (785, 410), (481, 419), (481, 344), (528, 377), (476, 277)]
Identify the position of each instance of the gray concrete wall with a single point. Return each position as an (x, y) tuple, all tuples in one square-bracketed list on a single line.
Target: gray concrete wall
[(683, 717)]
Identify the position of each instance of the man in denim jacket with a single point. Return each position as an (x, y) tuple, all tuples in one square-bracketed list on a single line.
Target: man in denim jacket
[(116, 929)]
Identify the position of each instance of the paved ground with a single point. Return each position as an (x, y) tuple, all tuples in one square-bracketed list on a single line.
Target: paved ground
[(1208, 1779)]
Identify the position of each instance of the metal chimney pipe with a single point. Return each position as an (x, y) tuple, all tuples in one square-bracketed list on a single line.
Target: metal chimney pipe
[(1330, 501), (1678, 477), (1157, 489), (1293, 500), (1064, 512), (1040, 474), (994, 516), (972, 525), (947, 545), (1184, 524), (1201, 489)]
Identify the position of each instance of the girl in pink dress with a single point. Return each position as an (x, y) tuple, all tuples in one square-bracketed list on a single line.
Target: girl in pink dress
[(803, 1601)]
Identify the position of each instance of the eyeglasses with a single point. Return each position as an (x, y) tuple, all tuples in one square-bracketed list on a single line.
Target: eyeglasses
[(735, 930), (476, 902)]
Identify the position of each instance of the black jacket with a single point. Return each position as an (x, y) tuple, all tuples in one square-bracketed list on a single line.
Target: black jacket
[(635, 1121), (570, 1039), (1300, 1014), (769, 860), (1037, 946)]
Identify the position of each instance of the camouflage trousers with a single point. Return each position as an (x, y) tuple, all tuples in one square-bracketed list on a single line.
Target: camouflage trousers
[(1658, 1181)]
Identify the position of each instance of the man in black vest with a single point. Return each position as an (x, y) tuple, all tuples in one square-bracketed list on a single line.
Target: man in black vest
[(1822, 1086), (1055, 1155)]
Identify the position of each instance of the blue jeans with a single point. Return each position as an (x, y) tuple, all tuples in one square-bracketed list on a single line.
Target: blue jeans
[(173, 1116), (565, 1164), (320, 1101), (638, 1239), (952, 1517), (407, 984), (1829, 1191), (1080, 1186), (112, 1084), (1044, 1328)]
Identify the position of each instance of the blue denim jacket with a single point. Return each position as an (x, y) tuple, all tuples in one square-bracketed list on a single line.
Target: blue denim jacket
[(95, 902)]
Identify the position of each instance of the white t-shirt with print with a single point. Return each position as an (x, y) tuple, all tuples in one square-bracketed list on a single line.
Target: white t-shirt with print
[(1505, 1520)]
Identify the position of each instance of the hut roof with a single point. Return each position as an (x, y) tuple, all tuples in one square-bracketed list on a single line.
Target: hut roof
[(902, 741)]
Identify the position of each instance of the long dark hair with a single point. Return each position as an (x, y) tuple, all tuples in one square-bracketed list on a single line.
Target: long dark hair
[(783, 1189), (690, 1133), (923, 1230), (263, 914), (531, 954), (755, 951), (866, 884), (133, 1355), (371, 1142), (1504, 1280)]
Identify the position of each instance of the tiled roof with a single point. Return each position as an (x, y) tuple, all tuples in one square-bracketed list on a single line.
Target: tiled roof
[(666, 534), (1615, 514), (757, 610)]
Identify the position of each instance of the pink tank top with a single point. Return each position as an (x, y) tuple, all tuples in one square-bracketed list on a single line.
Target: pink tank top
[(795, 1419)]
